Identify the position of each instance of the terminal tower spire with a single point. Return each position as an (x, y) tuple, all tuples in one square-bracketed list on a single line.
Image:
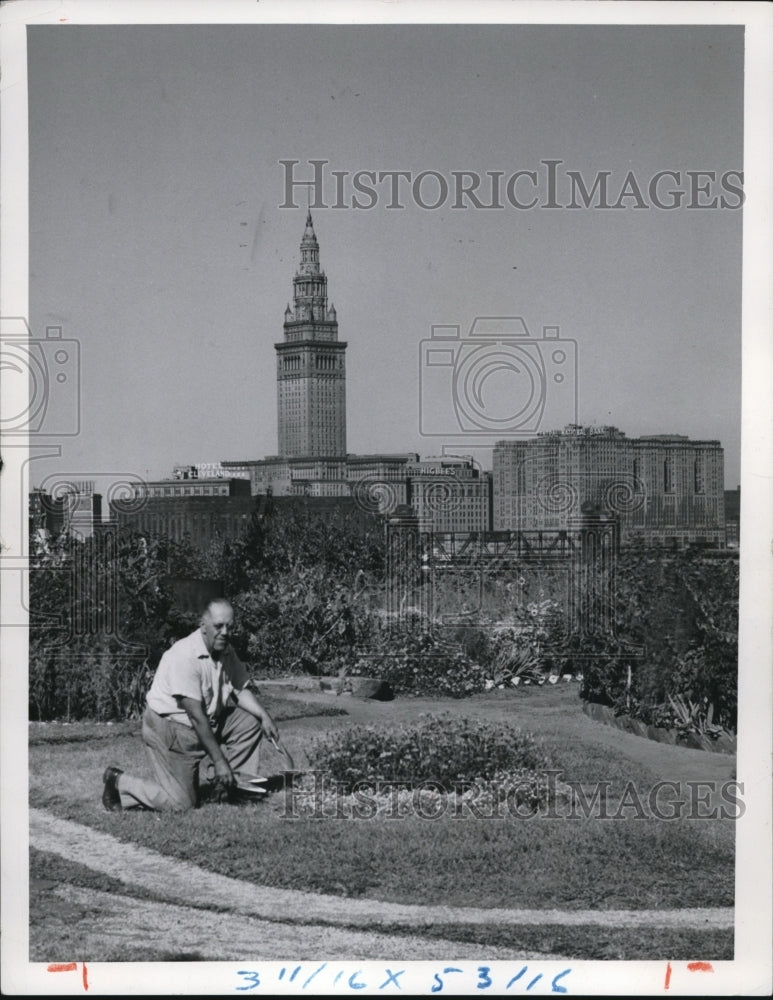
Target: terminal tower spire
[(311, 365)]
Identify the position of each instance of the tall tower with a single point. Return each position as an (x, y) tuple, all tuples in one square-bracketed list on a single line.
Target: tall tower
[(311, 366)]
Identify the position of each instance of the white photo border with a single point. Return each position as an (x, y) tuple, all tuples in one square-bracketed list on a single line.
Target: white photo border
[(750, 971)]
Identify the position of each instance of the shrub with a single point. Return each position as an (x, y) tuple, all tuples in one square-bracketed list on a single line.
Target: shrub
[(681, 609), (95, 680), (305, 623), (442, 749), (100, 617), (417, 662)]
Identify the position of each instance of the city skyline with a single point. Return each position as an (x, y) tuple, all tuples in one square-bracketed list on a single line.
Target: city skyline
[(173, 275)]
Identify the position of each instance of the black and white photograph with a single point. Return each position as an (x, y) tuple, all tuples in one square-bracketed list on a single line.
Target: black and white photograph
[(386, 498)]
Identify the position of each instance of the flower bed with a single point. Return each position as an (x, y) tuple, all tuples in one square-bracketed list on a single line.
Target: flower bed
[(725, 743), (437, 762)]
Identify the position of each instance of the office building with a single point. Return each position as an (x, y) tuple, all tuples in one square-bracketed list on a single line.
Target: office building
[(665, 489), (449, 494)]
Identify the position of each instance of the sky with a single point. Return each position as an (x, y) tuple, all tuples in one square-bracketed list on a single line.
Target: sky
[(158, 243)]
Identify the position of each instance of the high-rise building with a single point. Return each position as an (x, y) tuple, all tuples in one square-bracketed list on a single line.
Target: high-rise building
[(665, 489), (311, 365), (195, 486), (311, 393), (450, 494), (83, 508), (46, 514), (202, 519)]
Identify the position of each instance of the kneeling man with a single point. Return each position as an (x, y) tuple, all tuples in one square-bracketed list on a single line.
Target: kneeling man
[(197, 705)]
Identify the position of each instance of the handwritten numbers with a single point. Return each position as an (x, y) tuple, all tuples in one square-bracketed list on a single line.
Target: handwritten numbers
[(484, 979), (353, 984), (516, 977), (315, 973), (438, 985), (253, 977)]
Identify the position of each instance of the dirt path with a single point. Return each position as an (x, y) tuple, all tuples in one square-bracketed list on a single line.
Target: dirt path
[(172, 880), (101, 925)]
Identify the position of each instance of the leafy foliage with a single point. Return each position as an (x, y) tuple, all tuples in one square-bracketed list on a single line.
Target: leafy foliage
[(309, 595), (681, 609), (304, 586), (103, 609), (414, 660), (101, 618)]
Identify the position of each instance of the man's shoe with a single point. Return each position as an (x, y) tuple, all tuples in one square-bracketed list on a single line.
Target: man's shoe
[(111, 797)]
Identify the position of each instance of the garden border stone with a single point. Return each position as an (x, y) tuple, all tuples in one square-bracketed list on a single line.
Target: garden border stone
[(692, 741)]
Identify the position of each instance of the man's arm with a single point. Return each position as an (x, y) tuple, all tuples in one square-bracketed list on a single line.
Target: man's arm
[(247, 700), (203, 730)]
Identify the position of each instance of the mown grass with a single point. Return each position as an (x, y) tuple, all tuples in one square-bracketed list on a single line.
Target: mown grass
[(572, 864), (84, 731)]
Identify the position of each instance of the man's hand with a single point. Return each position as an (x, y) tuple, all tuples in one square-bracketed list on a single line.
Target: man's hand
[(224, 781), (269, 727), (223, 773)]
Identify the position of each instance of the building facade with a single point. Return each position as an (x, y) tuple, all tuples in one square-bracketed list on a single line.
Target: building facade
[(204, 512), (449, 494), (733, 517), (202, 521), (665, 489), (75, 508), (179, 486), (47, 515)]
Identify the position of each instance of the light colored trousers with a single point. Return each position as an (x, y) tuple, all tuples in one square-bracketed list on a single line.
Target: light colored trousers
[(176, 753)]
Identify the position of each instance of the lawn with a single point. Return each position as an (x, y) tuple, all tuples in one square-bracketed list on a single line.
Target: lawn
[(636, 863)]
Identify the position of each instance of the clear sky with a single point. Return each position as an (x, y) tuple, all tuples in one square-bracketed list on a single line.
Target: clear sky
[(157, 240)]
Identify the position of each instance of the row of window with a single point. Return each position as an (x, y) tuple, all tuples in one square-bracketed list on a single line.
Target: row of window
[(189, 491), (320, 362)]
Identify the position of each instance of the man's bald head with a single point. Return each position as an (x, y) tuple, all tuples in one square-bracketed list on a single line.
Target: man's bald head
[(216, 625), (216, 604)]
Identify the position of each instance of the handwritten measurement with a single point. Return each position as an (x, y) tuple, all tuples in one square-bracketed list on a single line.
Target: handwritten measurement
[(389, 979)]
